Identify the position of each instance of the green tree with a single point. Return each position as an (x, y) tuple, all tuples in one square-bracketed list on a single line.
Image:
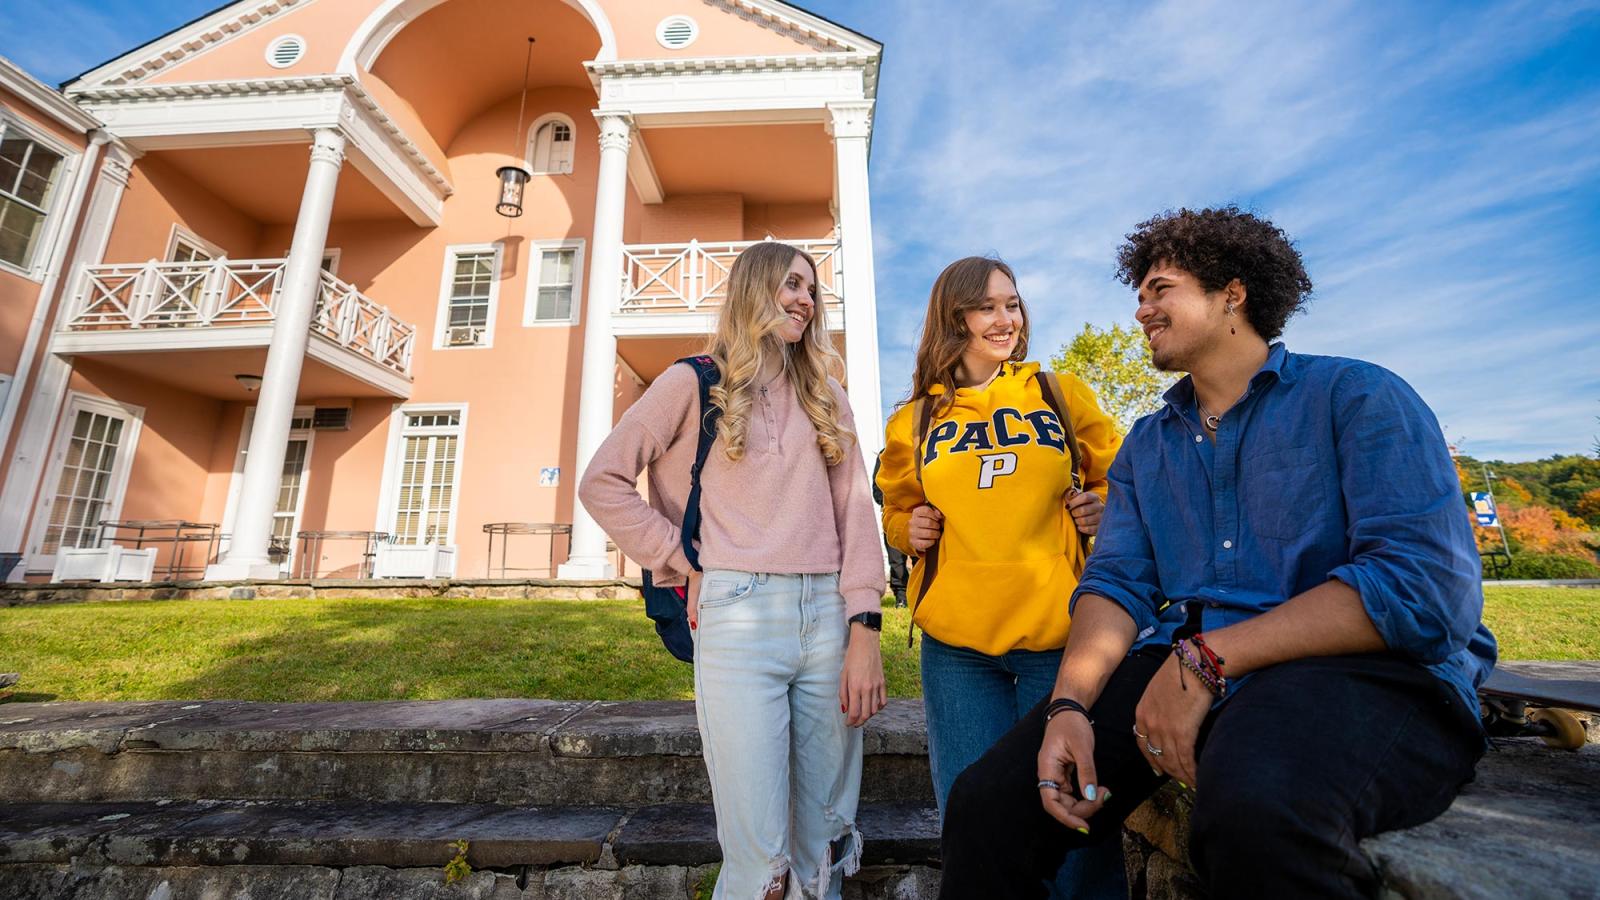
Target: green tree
[(1115, 362)]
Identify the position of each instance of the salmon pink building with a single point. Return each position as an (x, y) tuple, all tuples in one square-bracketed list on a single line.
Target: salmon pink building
[(254, 283)]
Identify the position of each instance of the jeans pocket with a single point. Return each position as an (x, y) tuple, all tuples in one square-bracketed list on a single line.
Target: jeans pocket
[(723, 588)]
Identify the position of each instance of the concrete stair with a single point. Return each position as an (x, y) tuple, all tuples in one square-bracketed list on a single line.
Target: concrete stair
[(356, 800)]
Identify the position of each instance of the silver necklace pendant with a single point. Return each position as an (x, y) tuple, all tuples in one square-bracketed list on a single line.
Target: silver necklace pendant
[(1213, 421)]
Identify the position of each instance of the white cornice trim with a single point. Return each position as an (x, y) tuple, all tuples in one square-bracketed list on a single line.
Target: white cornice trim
[(268, 87), (44, 98), (798, 23), (225, 23), (709, 65)]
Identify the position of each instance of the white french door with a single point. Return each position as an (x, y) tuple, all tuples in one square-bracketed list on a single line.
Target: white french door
[(88, 477), (291, 486)]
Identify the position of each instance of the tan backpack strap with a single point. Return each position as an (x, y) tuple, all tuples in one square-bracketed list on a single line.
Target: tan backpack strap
[(1050, 387)]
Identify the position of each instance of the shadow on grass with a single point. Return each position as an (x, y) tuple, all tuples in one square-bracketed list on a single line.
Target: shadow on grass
[(24, 697), (438, 649)]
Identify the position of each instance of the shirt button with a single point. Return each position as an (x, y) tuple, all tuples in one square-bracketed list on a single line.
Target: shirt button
[(1227, 545), (1198, 439)]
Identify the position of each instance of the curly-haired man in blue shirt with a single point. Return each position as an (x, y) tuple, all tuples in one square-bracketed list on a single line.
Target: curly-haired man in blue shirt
[(1282, 612)]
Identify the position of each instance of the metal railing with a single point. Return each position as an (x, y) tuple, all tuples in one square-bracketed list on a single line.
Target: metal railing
[(693, 277), (232, 292)]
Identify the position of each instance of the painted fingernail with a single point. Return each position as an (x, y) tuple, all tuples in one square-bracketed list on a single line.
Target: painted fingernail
[(693, 625), (1105, 795), (841, 707), (1088, 792), (1083, 831), (1182, 785)]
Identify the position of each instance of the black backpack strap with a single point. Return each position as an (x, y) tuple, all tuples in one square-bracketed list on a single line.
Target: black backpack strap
[(922, 415), (706, 373)]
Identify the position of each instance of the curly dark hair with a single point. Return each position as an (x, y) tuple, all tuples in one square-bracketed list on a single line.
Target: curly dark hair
[(1217, 246)]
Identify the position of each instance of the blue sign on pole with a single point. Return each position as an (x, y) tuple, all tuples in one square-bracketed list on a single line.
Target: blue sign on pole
[(1483, 508)]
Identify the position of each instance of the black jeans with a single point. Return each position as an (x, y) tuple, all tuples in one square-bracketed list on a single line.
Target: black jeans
[(1305, 760)]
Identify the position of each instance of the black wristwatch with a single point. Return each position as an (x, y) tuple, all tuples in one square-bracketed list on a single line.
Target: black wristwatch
[(873, 620)]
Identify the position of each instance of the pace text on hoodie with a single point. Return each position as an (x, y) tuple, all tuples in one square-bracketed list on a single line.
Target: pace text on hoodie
[(996, 464), (780, 510)]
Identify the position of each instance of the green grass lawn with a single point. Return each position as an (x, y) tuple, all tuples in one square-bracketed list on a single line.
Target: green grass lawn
[(286, 650)]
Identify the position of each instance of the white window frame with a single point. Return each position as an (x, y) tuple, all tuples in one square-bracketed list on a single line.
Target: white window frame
[(533, 135), (181, 235), (38, 262), (121, 470), (5, 392), (530, 302), (441, 327), (236, 482), (389, 487)]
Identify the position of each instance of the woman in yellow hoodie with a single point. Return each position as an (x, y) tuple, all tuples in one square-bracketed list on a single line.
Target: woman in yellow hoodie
[(979, 485)]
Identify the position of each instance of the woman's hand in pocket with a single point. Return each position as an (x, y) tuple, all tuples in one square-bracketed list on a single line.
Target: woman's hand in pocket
[(691, 596), (926, 525), (862, 691)]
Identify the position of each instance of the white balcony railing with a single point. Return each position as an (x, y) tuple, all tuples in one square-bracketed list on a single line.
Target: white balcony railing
[(225, 293), (693, 277)]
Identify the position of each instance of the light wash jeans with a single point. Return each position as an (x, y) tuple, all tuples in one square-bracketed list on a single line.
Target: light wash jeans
[(785, 769), (972, 699)]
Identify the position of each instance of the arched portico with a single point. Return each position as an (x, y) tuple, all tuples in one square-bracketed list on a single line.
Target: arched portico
[(392, 16)]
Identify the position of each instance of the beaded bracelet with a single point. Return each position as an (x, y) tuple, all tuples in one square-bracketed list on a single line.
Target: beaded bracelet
[(1203, 665)]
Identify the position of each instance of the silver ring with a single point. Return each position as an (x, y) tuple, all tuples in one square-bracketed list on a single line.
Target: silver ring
[(1047, 783), (1136, 733), (1154, 750)]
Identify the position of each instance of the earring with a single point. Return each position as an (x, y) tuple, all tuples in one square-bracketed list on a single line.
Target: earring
[(1231, 329)]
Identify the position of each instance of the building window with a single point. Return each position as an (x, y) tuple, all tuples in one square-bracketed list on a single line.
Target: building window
[(677, 32), (424, 505), (29, 172), (467, 297), (285, 51), (550, 150), (554, 292), (83, 490)]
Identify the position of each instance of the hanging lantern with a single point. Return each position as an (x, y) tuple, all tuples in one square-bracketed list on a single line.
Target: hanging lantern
[(513, 178)]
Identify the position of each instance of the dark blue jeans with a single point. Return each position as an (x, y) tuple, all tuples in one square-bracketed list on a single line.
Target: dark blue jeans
[(972, 699), (1304, 761)]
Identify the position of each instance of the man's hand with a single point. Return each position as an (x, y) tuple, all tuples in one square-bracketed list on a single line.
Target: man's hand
[(926, 525), (1168, 720), (1086, 508), (1067, 758), (861, 687), (691, 592)]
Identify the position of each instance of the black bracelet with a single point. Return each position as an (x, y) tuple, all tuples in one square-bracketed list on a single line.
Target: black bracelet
[(1063, 704)]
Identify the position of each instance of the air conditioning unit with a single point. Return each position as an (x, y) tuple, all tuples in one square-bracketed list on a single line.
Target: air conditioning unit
[(465, 335), (331, 418)]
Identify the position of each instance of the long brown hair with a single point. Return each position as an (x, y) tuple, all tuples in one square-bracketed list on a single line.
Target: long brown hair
[(747, 335), (962, 286)]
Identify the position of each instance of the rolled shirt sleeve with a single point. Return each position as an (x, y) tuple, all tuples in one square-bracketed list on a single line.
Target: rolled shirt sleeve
[(1122, 567), (1412, 555)]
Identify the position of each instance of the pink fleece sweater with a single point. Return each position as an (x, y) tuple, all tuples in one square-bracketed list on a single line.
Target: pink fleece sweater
[(781, 509)]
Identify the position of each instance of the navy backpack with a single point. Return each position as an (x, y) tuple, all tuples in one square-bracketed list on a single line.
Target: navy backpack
[(669, 606)]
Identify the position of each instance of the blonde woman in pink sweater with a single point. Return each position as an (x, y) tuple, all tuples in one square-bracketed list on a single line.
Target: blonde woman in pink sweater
[(787, 609)]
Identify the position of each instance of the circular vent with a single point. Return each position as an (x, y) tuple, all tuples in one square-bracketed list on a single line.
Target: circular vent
[(677, 32), (286, 51)]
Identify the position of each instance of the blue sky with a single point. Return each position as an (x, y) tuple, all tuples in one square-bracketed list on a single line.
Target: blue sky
[(1437, 163)]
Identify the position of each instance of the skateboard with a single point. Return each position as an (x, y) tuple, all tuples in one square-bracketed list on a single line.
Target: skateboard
[(1515, 705)]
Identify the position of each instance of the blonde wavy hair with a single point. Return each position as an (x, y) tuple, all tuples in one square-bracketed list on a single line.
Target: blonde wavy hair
[(747, 336)]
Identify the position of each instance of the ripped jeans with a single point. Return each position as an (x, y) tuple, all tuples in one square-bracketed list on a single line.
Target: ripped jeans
[(785, 769)]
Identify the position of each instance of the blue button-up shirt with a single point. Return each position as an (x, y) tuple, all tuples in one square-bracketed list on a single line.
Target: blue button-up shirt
[(1326, 468)]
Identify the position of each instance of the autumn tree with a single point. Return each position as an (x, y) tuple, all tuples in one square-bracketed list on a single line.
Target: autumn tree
[(1115, 362), (1588, 508)]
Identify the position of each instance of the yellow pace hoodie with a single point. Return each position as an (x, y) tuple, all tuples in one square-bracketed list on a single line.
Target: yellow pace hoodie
[(995, 463)]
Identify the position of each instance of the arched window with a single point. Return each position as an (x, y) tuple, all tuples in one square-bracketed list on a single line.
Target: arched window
[(550, 148)]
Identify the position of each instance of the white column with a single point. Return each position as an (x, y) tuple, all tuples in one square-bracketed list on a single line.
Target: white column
[(588, 557), (280, 382), (44, 402), (851, 126)]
